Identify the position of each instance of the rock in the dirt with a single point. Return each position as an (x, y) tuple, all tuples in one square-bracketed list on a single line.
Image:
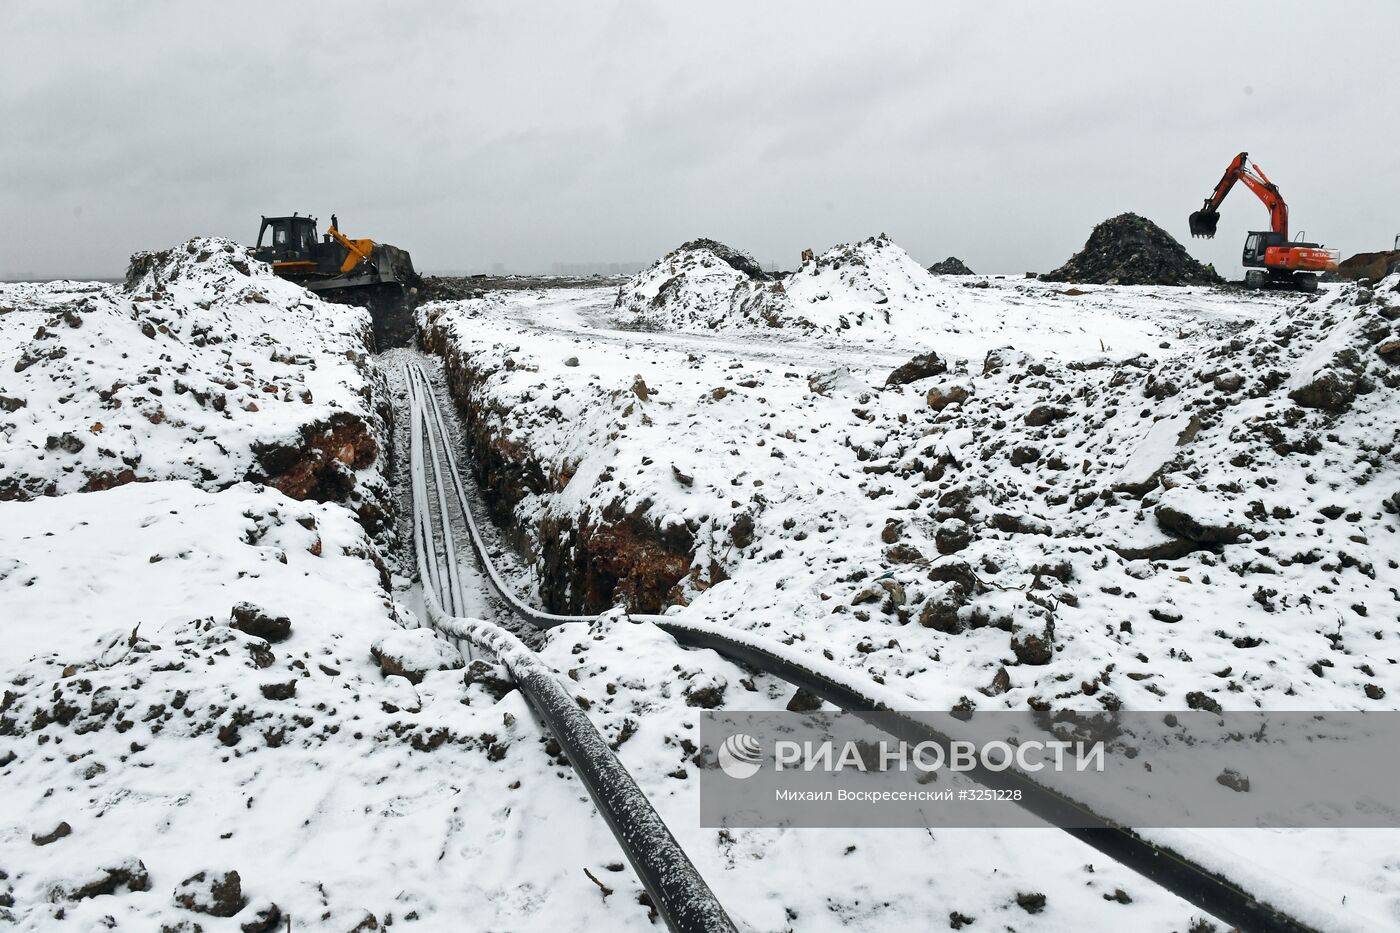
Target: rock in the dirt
[(365, 923), (1197, 699), (400, 695), (52, 835), (1132, 250), (1031, 902), (413, 653), (130, 875), (1155, 453), (741, 532), (185, 925), (920, 367), (1330, 386), (804, 701), (705, 691), (950, 266), (942, 609), (1232, 779), (1041, 415), (217, 893), (950, 393), (279, 691), (263, 918), (840, 379), (1034, 646), (493, 678), (952, 536), (256, 621), (1197, 516), (1001, 682)]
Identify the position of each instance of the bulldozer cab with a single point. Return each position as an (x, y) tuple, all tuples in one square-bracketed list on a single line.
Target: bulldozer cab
[(286, 238)]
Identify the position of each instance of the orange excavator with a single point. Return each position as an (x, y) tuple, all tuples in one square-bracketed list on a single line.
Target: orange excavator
[(1270, 258)]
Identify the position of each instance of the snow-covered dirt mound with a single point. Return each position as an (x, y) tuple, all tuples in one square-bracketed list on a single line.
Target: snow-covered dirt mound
[(708, 286), (203, 366), (701, 285), (872, 283)]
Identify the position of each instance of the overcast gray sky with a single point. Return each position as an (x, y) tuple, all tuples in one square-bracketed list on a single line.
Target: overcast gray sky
[(530, 133)]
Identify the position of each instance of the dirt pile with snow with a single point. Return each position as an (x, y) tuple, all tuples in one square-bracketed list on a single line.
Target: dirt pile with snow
[(870, 284), (702, 285), (1132, 250), (705, 285), (735, 258), (950, 266), (202, 366)]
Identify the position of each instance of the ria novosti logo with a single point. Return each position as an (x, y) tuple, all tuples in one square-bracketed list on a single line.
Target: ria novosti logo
[(741, 756)]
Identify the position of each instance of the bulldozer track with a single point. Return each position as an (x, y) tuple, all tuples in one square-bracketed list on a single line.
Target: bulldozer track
[(1198, 885)]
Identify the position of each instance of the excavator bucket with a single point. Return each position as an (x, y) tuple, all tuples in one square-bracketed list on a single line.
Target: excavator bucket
[(1203, 223)]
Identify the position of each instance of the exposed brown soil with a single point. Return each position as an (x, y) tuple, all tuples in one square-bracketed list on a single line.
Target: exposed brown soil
[(1373, 266)]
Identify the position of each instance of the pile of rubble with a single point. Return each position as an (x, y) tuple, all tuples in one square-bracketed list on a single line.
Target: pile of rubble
[(1132, 250), (950, 266)]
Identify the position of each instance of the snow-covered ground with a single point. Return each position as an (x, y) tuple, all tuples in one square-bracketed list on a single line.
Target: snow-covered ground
[(1099, 497), (335, 792), (195, 681), (192, 686)]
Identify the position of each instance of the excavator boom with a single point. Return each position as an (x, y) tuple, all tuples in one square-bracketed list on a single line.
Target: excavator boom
[(1203, 222)]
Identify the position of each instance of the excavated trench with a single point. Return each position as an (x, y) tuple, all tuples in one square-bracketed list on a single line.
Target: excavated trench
[(586, 563)]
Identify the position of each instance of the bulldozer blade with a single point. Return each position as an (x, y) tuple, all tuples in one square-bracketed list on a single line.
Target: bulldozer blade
[(1203, 223)]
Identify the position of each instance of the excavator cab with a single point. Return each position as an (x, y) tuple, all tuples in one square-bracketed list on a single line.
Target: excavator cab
[(1257, 243)]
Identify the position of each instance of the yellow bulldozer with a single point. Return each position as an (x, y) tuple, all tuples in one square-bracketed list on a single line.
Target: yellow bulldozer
[(373, 275)]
